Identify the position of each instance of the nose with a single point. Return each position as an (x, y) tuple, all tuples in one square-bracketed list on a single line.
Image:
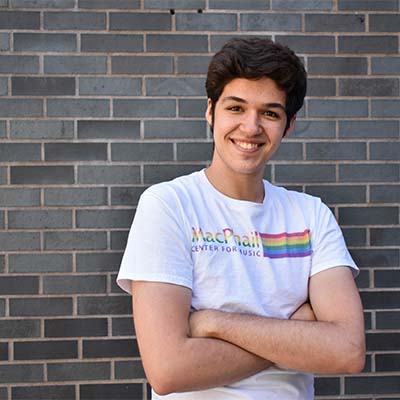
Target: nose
[(250, 123)]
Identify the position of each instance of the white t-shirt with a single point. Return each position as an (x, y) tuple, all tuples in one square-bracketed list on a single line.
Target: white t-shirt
[(235, 256)]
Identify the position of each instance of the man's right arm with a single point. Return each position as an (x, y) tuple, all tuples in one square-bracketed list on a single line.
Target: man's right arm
[(173, 361)]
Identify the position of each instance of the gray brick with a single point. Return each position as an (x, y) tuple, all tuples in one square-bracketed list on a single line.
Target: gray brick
[(167, 4), (56, 42), (159, 173), (217, 41), (381, 5), (19, 197), (239, 4), (98, 262), (23, 373), (21, 108), (335, 23), (27, 86), (368, 87), (289, 151), (19, 20), (337, 108), (113, 175), (206, 22), (109, 4), (385, 151), (368, 215), (97, 348), (385, 237), (110, 43), (339, 194), (177, 43), (3, 177), (368, 173), (19, 328), (142, 152), (126, 196), (20, 152), (77, 327), (36, 307), (21, 241), (2, 308), (75, 65), (369, 129), (194, 151), (101, 305), (39, 350), (75, 151), (75, 196), (336, 151), (82, 371), (321, 87), (43, 3), (4, 42), (123, 326), (384, 22), (386, 108), (305, 173), (192, 107), (308, 44), (175, 86), (104, 219), (385, 193), (129, 370), (78, 108), (14, 285), (74, 20), (139, 108), (108, 129), (10, 64), (43, 392), (36, 263), (376, 258), (387, 320), (175, 129), (3, 129), (270, 22), (65, 284), (37, 129), (2, 264), (385, 65), (355, 236), (301, 5), (39, 219), (111, 391), (119, 240), (3, 86), (37, 175), (140, 65), (193, 64), (337, 65), (4, 356), (368, 44), (140, 21), (75, 240)]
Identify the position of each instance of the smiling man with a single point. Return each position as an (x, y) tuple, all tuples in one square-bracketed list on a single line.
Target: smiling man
[(242, 289)]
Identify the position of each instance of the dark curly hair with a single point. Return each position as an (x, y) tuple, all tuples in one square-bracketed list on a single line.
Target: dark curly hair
[(255, 58)]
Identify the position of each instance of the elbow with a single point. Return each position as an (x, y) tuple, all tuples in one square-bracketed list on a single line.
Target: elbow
[(354, 359), (164, 381)]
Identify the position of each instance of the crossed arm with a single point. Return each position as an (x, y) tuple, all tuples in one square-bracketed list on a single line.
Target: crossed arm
[(216, 348)]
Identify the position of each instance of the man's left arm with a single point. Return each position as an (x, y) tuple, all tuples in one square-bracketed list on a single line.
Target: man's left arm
[(334, 343)]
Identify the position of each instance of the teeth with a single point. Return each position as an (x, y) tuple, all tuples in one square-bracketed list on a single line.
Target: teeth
[(246, 145)]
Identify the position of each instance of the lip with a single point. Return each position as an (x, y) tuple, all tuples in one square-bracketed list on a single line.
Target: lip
[(246, 145)]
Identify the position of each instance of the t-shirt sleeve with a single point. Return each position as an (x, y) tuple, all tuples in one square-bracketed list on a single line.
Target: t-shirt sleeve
[(329, 247), (157, 248)]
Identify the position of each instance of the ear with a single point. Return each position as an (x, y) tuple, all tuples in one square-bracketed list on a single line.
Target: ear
[(290, 129), (209, 112)]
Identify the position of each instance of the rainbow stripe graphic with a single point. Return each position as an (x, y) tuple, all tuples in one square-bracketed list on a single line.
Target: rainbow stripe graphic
[(283, 245)]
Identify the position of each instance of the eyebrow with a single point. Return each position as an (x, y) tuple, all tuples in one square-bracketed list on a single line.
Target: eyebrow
[(240, 100)]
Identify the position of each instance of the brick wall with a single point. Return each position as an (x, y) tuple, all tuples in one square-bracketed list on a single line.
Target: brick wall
[(101, 98)]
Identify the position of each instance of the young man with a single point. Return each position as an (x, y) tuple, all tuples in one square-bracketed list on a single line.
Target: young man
[(241, 289)]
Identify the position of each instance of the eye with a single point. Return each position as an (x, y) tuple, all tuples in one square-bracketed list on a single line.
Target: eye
[(235, 108), (270, 114)]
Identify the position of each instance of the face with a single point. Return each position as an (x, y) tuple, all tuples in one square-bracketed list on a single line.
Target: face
[(249, 123)]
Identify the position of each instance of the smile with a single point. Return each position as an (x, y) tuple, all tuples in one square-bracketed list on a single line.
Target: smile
[(246, 145)]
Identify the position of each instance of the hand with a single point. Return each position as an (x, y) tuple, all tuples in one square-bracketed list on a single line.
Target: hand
[(201, 322), (304, 313)]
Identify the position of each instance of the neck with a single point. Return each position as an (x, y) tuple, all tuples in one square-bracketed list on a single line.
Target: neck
[(237, 186)]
